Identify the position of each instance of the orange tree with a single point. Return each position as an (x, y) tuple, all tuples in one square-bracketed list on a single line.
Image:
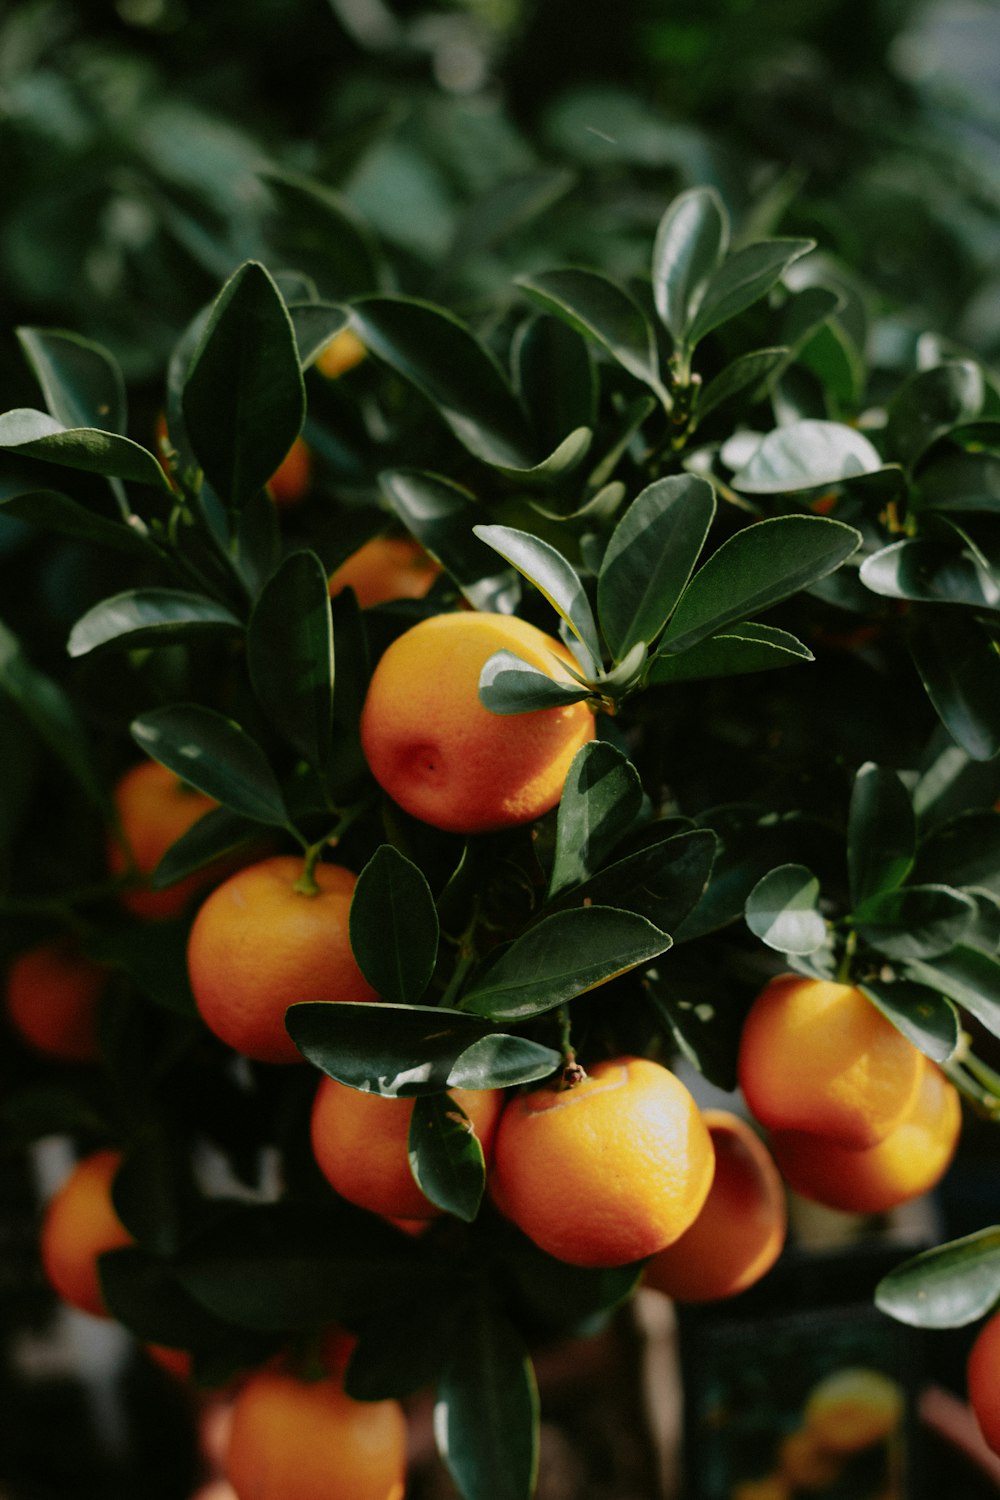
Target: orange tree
[(768, 577)]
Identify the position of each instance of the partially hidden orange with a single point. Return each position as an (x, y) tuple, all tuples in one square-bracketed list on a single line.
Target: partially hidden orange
[(983, 1380), (155, 808), (291, 479), (384, 568), (853, 1408), (80, 1223), (52, 996), (344, 351)]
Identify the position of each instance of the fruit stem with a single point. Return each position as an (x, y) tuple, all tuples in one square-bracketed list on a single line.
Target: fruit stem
[(466, 955), (844, 967), (985, 1101), (983, 1074), (307, 884), (572, 1073)]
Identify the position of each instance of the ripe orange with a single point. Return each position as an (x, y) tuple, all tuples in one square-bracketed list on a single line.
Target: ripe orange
[(805, 1464), (360, 1143), (258, 945), (983, 1381), (52, 995), (607, 1171), (908, 1162), (740, 1231), (80, 1223), (819, 1057), (291, 479), (445, 758), (155, 808), (853, 1409), (299, 1440), (342, 353), (386, 567)]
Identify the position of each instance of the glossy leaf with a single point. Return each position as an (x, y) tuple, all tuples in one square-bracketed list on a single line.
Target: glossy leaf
[(960, 670), (217, 833), (243, 398), (565, 955), (881, 833), (965, 851), (917, 921), (486, 1412), (446, 1157), (930, 573), (441, 515), (52, 511), (552, 575), (746, 373), (783, 910), (440, 356), (290, 655), (691, 239), (80, 380), (215, 755), (805, 455), (504, 209), (408, 1050), (318, 231), (661, 882), (51, 715), (736, 650), (751, 840), (508, 685), (930, 404), (403, 1344), (746, 276), (142, 1293), (970, 978), (704, 1031), (554, 469), (605, 312), (924, 1016), (315, 324), (650, 557), (755, 569), (555, 377), (947, 1287), (601, 799), (394, 926), (37, 435), (149, 617)]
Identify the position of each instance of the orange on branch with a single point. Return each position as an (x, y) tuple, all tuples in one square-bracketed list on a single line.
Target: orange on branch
[(52, 995), (155, 808), (291, 479), (983, 1381), (384, 568), (80, 1223), (852, 1409)]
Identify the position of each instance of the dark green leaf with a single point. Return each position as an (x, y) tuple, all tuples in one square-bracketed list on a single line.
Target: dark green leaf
[(151, 1191), (401, 1050), (56, 512), (217, 833), (649, 559), (918, 921), (881, 833), (691, 239), (959, 481), (930, 404), (782, 910), (446, 1157), (505, 209), (442, 358), (319, 232), (401, 1347), (804, 456), (394, 926), (81, 382), (566, 955), (315, 324), (244, 400), (604, 311), (215, 755), (742, 280), (756, 568), (149, 617), (923, 1015), (960, 669), (555, 377), (508, 685), (154, 955), (142, 1293), (51, 714), (963, 852), (661, 882), (558, 1295), (37, 435), (738, 649), (806, 311), (486, 1415), (550, 473), (751, 841), (553, 576), (746, 373), (441, 516), (601, 799), (290, 655), (930, 573), (704, 1030), (970, 978), (947, 1287)]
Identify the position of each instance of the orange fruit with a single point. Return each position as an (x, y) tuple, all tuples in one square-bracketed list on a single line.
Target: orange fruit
[(155, 808), (770, 1487), (607, 1171), (818, 1056), (80, 1223), (740, 1231), (342, 353), (805, 1464), (445, 758), (852, 1409), (53, 991), (983, 1381), (291, 479), (298, 1440), (360, 1143), (907, 1163), (176, 1362), (386, 567), (258, 945)]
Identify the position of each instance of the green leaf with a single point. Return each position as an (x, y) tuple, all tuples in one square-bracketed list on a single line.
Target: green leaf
[(970, 978), (965, 851), (650, 557), (394, 926), (703, 1028), (930, 404), (486, 1413), (804, 456), (662, 881), (960, 669), (881, 833), (319, 232), (154, 956), (756, 568), (215, 755), (53, 511), (783, 910), (504, 209), (408, 1050), (149, 617), (918, 921), (37, 435), (446, 1157), (947, 1287), (441, 515), (605, 312), (751, 840), (508, 685), (923, 1016), (142, 1293), (51, 715), (555, 377), (399, 1350), (691, 239), (601, 799), (243, 399), (440, 356), (745, 373), (741, 280), (217, 833), (81, 382), (315, 324), (738, 649), (290, 655), (930, 573), (565, 955), (551, 472), (553, 576)]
